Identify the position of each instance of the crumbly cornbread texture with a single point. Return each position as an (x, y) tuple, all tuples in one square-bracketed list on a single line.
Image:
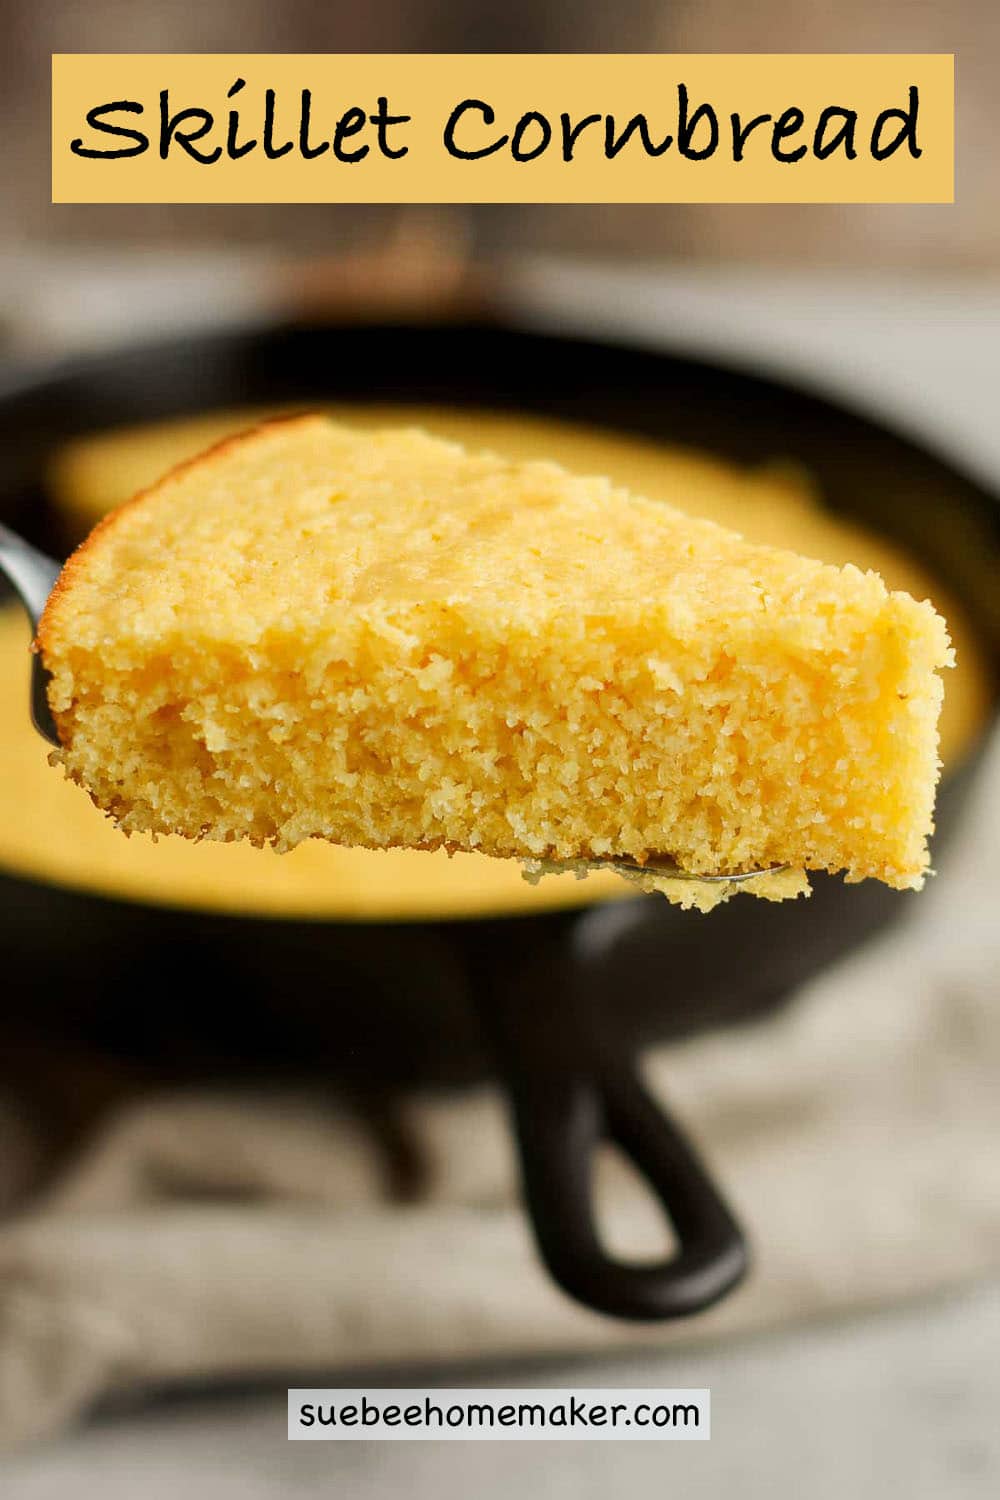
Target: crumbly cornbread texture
[(383, 640), (50, 832)]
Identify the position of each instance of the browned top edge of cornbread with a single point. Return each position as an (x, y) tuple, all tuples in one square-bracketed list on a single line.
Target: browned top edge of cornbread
[(78, 557)]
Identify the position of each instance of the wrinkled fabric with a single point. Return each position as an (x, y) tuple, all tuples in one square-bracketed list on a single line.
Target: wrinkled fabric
[(210, 1235)]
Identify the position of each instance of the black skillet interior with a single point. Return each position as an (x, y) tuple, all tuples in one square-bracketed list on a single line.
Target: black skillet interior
[(393, 1002), (376, 1006)]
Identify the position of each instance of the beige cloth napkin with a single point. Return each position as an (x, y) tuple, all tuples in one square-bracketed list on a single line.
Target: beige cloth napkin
[(210, 1235)]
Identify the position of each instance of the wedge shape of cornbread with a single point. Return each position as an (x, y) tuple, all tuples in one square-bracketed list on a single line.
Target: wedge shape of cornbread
[(381, 639)]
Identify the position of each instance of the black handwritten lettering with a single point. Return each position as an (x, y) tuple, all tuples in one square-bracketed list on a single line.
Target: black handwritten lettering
[(351, 133), (489, 117), (844, 135), (907, 130), (308, 152), (687, 125), (271, 151), (382, 119), (742, 133), (517, 148), (789, 122), (350, 122), (170, 131), (613, 144), (96, 121), (571, 133), (234, 150)]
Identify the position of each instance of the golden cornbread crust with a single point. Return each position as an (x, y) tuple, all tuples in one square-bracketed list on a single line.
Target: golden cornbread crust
[(382, 640), (114, 517)]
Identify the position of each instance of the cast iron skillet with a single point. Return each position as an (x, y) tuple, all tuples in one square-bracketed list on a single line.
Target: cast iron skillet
[(565, 998)]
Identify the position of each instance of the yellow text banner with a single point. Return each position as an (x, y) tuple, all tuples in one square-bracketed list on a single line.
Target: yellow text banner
[(502, 128)]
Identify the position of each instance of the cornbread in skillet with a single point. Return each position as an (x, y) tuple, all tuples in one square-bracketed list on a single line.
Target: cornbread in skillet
[(383, 640)]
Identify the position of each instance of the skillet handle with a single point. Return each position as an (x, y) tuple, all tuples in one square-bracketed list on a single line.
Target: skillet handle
[(569, 1091)]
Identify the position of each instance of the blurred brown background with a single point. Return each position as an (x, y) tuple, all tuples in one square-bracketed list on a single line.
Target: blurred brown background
[(872, 1167), (966, 236)]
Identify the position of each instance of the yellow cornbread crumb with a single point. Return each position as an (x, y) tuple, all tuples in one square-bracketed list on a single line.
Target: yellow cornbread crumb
[(684, 891), (49, 832), (383, 640)]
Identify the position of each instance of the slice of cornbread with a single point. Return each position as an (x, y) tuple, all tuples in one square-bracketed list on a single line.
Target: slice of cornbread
[(383, 640)]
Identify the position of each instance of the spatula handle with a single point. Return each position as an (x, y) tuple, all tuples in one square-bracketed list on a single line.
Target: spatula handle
[(31, 574)]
